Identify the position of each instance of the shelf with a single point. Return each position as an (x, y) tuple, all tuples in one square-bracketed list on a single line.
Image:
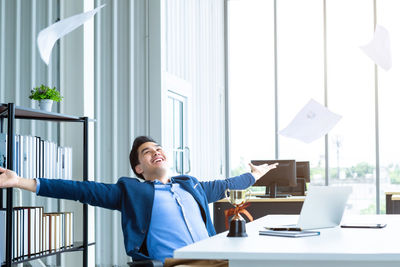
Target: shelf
[(78, 246), (37, 114)]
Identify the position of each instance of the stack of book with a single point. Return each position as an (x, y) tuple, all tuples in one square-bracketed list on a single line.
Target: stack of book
[(35, 157), (58, 230), (35, 232), (2, 235)]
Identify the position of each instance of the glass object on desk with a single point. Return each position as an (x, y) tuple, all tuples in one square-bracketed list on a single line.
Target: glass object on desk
[(238, 199)]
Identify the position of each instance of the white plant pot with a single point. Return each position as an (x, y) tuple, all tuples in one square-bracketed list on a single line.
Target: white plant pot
[(46, 104)]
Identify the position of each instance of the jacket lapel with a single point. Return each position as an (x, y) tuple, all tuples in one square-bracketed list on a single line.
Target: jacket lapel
[(191, 187)]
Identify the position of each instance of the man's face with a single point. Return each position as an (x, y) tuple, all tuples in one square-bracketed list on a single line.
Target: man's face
[(153, 162)]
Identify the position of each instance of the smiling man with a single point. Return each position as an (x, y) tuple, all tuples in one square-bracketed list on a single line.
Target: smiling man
[(158, 213)]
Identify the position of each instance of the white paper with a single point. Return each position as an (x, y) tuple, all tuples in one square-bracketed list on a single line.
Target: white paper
[(379, 48), (49, 36), (312, 122)]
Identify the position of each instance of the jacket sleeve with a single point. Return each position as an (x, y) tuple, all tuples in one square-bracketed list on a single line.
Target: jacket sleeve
[(215, 190), (92, 193)]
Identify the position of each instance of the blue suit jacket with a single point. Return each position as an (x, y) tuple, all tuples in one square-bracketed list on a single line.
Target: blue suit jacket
[(134, 198)]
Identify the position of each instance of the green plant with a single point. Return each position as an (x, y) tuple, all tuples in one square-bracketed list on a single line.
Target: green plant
[(45, 92)]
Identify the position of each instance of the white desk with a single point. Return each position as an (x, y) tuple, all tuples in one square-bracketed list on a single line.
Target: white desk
[(334, 247)]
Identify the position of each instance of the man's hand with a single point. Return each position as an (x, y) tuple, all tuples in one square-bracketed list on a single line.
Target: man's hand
[(9, 178), (260, 170)]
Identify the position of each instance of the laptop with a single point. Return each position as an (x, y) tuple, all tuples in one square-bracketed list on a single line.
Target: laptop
[(323, 208)]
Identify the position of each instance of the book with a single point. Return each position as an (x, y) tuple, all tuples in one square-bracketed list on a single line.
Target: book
[(289, 233), (2, 235), (3, 152), (26, 230)]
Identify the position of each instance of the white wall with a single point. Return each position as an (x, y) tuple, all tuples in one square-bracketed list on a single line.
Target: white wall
[(21, 68), (76, 85)]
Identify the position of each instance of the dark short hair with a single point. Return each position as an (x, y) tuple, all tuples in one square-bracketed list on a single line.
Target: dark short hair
[(134, 155)]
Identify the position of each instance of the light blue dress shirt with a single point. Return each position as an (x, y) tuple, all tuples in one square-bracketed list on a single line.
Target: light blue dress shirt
[(176, 221)]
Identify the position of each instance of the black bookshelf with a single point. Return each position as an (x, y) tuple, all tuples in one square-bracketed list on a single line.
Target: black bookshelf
[(77, 246), (10, 112)]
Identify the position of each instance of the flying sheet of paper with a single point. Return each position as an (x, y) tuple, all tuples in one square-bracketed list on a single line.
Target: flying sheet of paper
[(49, 36), (379, 48), (312, 122)]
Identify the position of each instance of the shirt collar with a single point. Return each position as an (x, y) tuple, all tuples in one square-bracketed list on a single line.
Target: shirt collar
[(158, 182)]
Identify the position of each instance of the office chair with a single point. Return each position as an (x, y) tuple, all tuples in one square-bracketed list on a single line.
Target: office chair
[(145, 263)]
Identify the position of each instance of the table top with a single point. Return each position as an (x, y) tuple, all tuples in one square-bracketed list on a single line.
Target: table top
[(392, 193), (280, 199), (396, 197), (333, 243)]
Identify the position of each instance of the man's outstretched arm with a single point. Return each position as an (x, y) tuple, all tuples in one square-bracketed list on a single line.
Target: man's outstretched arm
[(215, 190), (92, 193)]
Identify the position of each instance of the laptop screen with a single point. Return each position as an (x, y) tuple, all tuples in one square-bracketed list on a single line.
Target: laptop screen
[(323, 207)]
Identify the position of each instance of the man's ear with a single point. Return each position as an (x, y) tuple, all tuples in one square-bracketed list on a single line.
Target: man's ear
[(138, 169)]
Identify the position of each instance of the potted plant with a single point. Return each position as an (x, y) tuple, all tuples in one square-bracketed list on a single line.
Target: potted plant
[(45, 95)]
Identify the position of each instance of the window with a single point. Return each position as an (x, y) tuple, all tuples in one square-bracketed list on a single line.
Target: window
[(176, 134), (389, 96), (251, 82), (351, 94), (300, 76), (177, 137), (304, 48)]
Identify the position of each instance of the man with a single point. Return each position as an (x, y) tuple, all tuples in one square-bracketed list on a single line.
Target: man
[(158, 213)]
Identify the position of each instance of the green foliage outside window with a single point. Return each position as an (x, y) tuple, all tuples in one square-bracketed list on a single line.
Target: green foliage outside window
[(371, 209), (394, 174), (361, 170)]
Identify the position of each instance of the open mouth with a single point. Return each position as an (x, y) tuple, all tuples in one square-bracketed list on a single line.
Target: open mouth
[(158, 159)]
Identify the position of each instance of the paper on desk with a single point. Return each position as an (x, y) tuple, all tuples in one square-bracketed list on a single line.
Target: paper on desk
[(311, 123), (49, 36), (379, 48)]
